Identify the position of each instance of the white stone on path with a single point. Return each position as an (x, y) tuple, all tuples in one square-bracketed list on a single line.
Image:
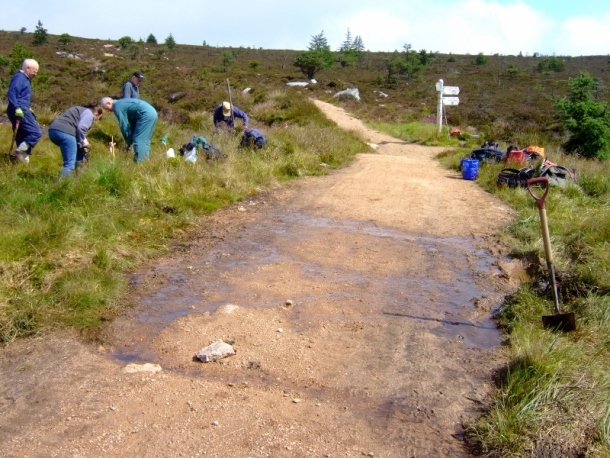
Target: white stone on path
[(146, 367), (214, 352)]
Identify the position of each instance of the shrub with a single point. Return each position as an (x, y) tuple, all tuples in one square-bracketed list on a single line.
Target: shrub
[(64, 39), (18, 54), (170, 42), (125, 42), (587, 120), (481, 59), (227, 58)]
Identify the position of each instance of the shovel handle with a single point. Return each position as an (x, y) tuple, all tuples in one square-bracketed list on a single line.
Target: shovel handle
[(539, 199)]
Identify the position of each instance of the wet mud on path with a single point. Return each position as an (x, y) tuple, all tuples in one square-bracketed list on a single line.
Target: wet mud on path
[(362, 327)]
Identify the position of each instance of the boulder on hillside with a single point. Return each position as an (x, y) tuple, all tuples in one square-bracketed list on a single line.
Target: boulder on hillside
[(351, 92)]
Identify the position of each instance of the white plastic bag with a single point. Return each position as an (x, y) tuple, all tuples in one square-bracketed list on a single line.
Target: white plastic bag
[(191, 155)]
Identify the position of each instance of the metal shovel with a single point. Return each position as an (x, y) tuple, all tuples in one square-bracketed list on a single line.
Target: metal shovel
[(560, 321)]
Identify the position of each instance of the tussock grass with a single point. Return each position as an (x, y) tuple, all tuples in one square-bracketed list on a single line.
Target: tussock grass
[(66, 244), (553, 399), (424, 133)]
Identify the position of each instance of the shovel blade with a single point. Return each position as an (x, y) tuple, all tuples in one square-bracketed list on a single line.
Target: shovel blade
[(565, 322)]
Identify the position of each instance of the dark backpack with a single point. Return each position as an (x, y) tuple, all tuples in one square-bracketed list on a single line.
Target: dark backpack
[(213, 154), (514, 178), (489, 155)]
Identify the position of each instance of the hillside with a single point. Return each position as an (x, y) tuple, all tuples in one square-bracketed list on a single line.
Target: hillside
[(357, 244), (504, 96)]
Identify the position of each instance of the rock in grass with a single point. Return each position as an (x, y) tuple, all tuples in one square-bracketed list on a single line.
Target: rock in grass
[(351, 92), (214, 352)]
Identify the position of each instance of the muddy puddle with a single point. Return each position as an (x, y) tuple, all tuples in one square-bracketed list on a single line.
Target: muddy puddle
[(436, 282)]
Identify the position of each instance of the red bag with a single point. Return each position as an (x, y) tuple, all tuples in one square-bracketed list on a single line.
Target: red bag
[(516, 157)]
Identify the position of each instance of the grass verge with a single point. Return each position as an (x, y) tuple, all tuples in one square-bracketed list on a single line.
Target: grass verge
[(553, 398), (66, 244)]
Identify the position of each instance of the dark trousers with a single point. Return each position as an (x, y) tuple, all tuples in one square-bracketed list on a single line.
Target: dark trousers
[(29, 130)]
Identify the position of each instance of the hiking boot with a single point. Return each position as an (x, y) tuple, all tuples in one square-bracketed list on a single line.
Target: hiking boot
[(19, 156)]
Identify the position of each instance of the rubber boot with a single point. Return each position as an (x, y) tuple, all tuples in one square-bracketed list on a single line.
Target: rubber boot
[(21, 153)]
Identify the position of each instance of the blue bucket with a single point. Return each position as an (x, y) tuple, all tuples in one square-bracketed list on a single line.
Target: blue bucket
[(470, 169)]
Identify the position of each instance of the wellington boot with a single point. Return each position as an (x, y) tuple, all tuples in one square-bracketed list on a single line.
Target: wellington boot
[(19, 156)]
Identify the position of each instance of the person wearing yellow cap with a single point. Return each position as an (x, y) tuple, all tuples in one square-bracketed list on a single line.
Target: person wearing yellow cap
[(227, 114)]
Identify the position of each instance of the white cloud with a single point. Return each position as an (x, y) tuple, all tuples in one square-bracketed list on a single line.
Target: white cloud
[(379, 30), (469, 26), (584, 36), (457, 26)]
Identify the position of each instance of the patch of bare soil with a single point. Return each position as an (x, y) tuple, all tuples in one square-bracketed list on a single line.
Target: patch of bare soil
[(362, 328)]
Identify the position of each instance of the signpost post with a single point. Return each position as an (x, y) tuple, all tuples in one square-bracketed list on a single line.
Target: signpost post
[(442, 101), (439, 107)]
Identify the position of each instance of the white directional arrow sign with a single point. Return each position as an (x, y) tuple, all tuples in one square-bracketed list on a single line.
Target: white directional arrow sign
[(451, 100), (451, 90)]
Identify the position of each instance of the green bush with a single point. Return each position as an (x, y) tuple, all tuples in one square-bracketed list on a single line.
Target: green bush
[(125, 42), (587, 120), (481, 59), (64, 39)]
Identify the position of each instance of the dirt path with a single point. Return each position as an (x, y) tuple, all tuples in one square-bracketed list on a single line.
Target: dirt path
[(362, 328)]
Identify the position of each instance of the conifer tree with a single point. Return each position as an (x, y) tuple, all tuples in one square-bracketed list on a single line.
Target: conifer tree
[(347, 44), (40, 35), (170, 42), (319, 42), (316, 58)]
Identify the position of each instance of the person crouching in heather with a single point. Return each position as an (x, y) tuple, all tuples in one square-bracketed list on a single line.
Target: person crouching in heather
[(69, 132), (137, 120)]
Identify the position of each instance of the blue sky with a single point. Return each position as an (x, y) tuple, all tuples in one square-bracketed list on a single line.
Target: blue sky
[(561, 27)]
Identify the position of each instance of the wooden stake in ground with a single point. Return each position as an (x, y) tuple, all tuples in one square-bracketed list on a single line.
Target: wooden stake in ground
[(112, 147), (230, 103)]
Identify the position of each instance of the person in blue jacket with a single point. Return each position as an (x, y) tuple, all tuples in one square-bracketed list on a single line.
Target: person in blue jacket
[(19, 100), (131, 88), (227, 114), (69, 132), (137, 120), (253, 137)]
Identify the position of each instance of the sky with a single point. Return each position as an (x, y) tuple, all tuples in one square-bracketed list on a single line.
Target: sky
[(509, 27)]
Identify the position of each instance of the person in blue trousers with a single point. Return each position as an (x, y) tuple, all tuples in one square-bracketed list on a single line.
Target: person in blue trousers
[(137, 120), (69, 132), (18, 109)]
